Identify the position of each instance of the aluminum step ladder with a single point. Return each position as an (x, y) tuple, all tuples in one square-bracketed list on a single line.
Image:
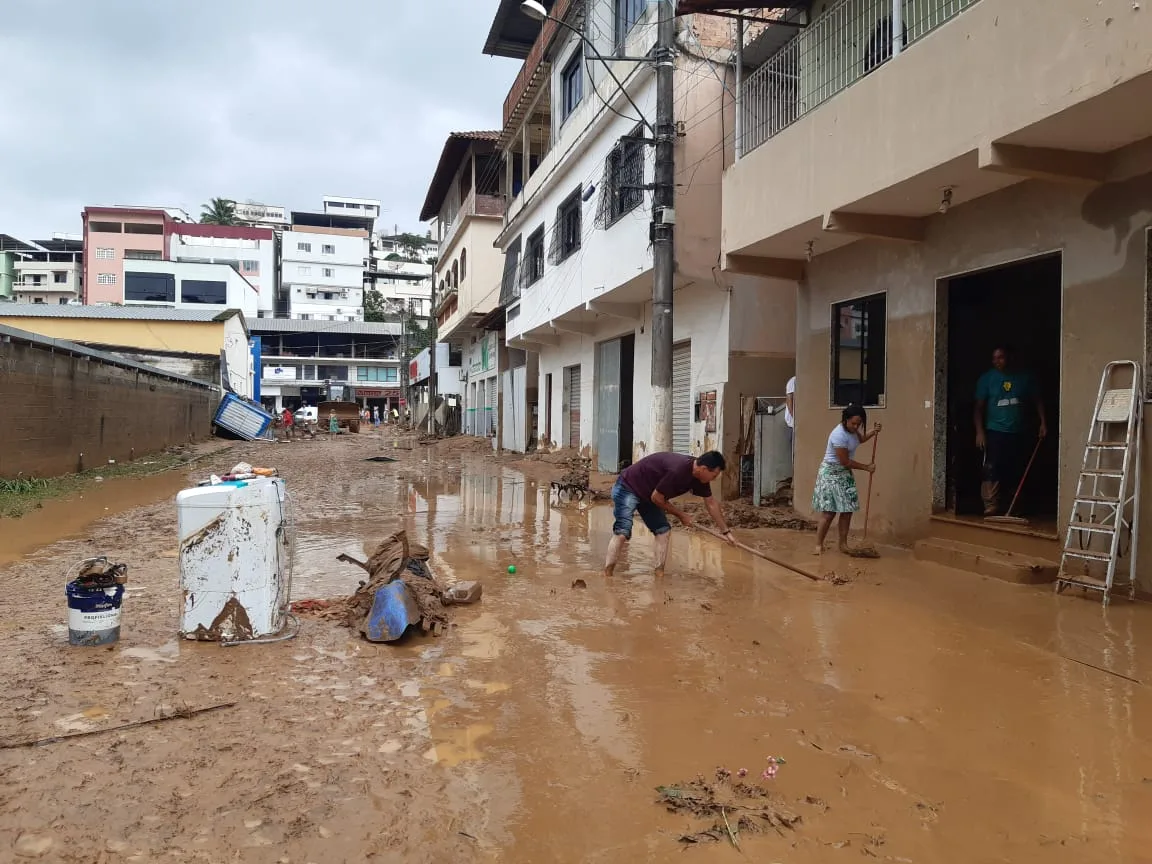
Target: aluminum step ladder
[(1105, 521)]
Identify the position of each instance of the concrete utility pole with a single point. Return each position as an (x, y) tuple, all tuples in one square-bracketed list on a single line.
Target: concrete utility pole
[(663, 219)]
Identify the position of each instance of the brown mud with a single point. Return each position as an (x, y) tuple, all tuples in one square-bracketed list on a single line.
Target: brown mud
[(922, 714)]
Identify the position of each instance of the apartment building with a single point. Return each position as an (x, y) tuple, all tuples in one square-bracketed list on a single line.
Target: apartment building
[(41, 271), (249, 251), (405, 287), (367, 208), (938, 181), (464, 199), (113, 235), (260, 215), (306, 361), (577, 280), (324, 258)]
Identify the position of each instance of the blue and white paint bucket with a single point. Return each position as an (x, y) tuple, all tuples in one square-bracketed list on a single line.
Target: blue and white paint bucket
[(93, 614)]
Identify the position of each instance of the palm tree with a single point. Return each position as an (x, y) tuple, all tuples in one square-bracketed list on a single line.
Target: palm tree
[(218, 211)]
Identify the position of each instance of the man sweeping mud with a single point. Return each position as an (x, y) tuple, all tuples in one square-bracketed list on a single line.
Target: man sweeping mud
[(648, 487)]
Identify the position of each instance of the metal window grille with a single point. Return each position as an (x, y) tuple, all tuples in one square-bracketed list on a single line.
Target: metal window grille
[(834, 51)]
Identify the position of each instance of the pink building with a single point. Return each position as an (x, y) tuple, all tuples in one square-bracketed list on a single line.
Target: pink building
[(114, 234)]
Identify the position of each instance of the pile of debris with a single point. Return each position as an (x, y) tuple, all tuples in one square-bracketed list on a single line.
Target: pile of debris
[(573, 483), (400, 592), (732, 808)]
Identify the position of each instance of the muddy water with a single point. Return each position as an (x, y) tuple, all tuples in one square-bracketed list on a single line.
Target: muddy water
[(923, 715), (65, 517), (931, 716)]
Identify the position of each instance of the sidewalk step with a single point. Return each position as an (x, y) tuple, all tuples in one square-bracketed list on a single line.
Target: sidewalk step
[(997, 563)]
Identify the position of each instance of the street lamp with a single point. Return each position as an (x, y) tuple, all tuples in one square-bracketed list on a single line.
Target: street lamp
[(534, 9)]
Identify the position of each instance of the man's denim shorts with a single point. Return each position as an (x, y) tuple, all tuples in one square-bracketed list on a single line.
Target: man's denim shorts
[(625, 503)]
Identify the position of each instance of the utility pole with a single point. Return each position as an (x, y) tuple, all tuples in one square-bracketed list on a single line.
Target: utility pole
[(432, 363), (663, 219), (405, 386)]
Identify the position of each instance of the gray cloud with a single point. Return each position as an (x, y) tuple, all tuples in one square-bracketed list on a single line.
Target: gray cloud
[(280, 101)]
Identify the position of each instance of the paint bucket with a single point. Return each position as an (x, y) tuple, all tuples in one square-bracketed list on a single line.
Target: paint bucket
[(93, 614)]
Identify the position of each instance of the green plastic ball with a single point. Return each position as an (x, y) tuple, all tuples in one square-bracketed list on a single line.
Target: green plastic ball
[(511, 568)]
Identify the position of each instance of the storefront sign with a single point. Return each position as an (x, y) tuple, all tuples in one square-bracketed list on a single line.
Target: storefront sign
[(280, 373)]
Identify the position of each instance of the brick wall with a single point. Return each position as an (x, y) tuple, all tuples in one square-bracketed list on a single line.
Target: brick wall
[(58, 405)]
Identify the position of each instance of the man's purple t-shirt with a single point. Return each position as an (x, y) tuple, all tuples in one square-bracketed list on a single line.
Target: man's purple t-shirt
[(670, 474)]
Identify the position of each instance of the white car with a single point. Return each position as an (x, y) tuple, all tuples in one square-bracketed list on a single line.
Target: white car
[(307, 414)]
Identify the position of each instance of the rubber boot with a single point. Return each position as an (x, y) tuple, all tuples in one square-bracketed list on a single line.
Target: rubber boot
[(615, 547), (662, 543)]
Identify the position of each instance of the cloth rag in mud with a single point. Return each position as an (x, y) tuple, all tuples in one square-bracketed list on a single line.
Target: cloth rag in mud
[(417, 598)]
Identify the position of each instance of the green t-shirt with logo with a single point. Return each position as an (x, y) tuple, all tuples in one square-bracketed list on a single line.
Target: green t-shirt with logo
[(1004, 395)]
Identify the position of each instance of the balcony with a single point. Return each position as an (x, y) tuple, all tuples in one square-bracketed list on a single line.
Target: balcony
[(853, 141), (834, 51), (68, 287), (474, 205)]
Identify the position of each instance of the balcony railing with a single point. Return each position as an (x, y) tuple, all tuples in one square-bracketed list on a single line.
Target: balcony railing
[(474, 205), (68, 286), (836, 50)]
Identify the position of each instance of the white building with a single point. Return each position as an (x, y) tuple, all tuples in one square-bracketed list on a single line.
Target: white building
[(250, 251), (338, 205), (464, 199), (323, 259), (48, 271), (403, 285), (576, 237), (261, 215), (192, 286), (305, 362)]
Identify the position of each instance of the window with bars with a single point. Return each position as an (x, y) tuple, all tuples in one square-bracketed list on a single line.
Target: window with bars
[(623, 188), (105, 253), (859, 338), (566, 235), (106, 279), (534, 257)]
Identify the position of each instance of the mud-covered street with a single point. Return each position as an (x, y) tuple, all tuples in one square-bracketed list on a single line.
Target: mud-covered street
[(915, 713)]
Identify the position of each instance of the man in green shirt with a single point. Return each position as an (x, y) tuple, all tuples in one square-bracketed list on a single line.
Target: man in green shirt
[(1001, 394)]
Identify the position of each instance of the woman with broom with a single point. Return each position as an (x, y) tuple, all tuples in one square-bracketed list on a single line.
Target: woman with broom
[(835, 492)]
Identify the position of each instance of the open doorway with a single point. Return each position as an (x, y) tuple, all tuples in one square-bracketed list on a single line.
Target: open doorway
[(1017, 306)]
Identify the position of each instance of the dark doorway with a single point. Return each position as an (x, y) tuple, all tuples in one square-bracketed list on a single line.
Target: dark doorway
[(1017, 306), (627, 401)]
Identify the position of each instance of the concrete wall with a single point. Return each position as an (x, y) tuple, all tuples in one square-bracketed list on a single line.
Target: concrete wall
[(65, 412), (1101, 233)]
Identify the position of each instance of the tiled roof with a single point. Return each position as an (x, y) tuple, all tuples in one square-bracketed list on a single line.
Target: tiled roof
[(454, 149)]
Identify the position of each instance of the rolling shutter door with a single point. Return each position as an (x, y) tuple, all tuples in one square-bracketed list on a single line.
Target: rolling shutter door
[(492, 404), (681, 398), (574, 407)]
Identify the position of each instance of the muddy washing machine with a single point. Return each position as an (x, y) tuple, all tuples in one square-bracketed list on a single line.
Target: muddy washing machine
[(235, 568)]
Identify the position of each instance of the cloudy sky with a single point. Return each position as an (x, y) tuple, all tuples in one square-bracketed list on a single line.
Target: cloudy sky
[(279, 101)]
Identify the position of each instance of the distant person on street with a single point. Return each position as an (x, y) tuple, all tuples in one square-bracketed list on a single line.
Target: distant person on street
[(1001, 394), (333, 423), (376, 416), (647, 487), (790, 414), (288, 420), (835, 493)]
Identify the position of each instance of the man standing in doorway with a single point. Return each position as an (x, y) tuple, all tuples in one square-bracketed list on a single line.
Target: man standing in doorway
[(1001, 394), (790, 414), (647, 487)]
